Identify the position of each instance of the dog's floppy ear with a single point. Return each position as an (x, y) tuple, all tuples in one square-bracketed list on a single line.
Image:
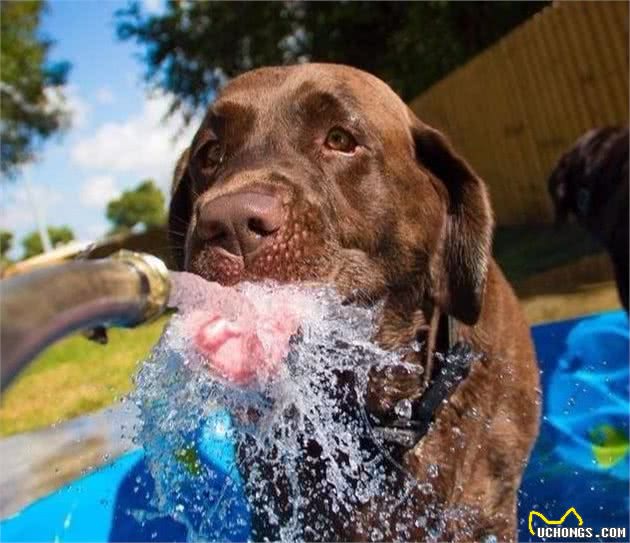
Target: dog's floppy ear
[(464, 260), (180, 209)]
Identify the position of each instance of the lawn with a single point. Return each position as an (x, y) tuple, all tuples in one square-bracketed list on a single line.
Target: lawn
[(75, 376)]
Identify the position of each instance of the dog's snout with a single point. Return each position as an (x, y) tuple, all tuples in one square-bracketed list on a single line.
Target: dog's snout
[(240, 223)]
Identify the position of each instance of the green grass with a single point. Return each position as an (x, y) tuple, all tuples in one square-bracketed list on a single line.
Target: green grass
[(74, 377)]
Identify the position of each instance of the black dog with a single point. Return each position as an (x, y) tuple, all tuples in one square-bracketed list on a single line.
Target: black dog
[(591, 181)]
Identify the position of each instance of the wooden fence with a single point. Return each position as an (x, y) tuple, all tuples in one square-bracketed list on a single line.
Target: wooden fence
[(513, 109)]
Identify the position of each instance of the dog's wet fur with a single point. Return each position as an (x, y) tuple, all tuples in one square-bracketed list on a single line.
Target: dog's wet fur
[(388, 211)]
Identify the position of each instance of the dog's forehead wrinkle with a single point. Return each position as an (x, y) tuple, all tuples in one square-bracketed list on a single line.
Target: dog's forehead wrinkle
[(329, 84)]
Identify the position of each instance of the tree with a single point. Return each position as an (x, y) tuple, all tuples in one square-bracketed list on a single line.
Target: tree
[(143, 205), (193, 48), (6, 242), (31, 105), (59, 235)]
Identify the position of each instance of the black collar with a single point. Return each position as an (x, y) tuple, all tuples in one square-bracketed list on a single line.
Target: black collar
[(450, 363)]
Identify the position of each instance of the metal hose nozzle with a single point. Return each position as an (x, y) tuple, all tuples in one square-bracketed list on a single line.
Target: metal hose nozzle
[(45, 305)]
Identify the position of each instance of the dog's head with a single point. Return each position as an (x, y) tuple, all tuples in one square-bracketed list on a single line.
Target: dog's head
[(587, 175), (321, 173)]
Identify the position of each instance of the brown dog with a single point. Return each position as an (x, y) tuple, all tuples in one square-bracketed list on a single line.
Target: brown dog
[(320, 172), (590, 181)]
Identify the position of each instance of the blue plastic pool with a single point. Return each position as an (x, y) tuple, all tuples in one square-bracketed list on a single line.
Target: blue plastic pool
[(580, 459)]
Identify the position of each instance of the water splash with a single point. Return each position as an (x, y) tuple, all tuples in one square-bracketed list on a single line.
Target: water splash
[(296, 442)]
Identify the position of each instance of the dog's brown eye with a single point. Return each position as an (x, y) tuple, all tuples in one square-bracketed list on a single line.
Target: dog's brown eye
[(215, 153), (211, 155), (340, 140)]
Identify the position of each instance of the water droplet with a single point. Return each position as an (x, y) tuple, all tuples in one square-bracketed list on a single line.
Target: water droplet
[(404, 409)]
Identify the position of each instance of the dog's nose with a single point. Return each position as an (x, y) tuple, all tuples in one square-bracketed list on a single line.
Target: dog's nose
[(240, 223)]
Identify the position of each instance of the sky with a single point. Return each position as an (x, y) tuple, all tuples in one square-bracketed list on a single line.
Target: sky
[(118, 135)]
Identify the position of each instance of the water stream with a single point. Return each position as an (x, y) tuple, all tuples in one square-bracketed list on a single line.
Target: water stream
[(293, 436)]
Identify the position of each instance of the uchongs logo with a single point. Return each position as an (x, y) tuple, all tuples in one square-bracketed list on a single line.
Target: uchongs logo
[(555, 529), (553, 522)]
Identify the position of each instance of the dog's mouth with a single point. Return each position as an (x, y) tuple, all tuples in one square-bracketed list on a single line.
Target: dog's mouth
[(283, 262)]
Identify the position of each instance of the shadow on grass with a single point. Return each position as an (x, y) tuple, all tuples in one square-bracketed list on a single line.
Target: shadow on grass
[(523, 251)]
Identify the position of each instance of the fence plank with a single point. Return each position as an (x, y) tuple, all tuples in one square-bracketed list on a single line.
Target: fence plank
[(514, 108)]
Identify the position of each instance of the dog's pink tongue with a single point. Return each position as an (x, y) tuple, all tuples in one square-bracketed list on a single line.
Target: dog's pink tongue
[(235, 351), (230, 351)]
